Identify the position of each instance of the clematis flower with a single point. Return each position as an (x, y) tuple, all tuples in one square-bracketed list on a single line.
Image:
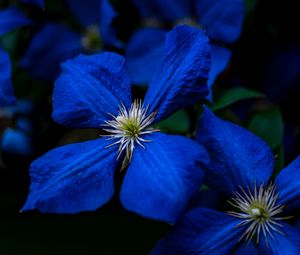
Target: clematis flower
[(241, 167), (55, 43), (163, 172), (221, 19), (10, 19)]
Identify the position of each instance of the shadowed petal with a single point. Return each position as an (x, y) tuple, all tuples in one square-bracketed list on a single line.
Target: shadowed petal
[(181, 79), (201, 231), (238, 157), (11, 18), (145, 51), (108, 32), (49, 47), (7, 97), (162, 177), (39, 3), (220, 58), (89, 88), (288, 185), (73, 178), (222, 19), (87, 11), (288, 244)]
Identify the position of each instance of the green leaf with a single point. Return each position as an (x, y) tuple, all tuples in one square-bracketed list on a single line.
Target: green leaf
[(269, 126), (234, 95), (177, 123)]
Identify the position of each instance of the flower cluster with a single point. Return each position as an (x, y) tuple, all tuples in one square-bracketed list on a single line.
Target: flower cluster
[(114, 110)]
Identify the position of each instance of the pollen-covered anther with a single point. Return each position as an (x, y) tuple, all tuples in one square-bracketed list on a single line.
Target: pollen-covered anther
[(129, 127), (259, 212)]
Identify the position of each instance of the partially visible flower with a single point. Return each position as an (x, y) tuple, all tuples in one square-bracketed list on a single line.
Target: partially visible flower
[(241, 167), (164, 171), (221, 19), (10, 19), (55, 43)]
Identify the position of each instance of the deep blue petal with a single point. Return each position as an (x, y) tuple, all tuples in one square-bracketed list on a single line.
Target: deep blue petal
[(222, 19), (167, 10), (288, 185), (73, 178), (162, 177), (11, 18), (39, 3), (238, 157), (53, 44), (89, 88), (201, 231), (108, 32), (288, 244), (247, 249), (181, 79), (16, 142), (144, 52), (220, 58), (87, 11), (7, 97)]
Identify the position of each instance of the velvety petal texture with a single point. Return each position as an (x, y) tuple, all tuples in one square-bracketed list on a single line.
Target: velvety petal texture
[(108, 32), (238, 157), (89, 89), (247, 248), (39, 3), (144, 52), (87, 11), (162, 177), (11, 18), (201, 231), (288, 185), (53, 44), (73, 178), (220, 57), (181, 79), (7, 97), (222, 19), (288, 244)]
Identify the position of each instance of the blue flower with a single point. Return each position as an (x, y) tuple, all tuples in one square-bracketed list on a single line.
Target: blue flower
[(221, 19), (164, 171), (55, 43), (241, 166), (10, 19)]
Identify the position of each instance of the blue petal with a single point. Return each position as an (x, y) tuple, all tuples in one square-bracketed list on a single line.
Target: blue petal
[(201, 231), (89, 88), (39, 3), (222, 19), (181, 79), (247, 249), (168, 10), (73, 178), (144, 52), (288, 244), (87, 11), (220, 58), (238, 157), (7, 97), (288, 185), (49, 47), (108, 32), (162, 177), (16, 142), (11, 18)]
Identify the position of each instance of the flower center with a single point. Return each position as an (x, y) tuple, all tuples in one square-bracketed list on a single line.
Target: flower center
[(129, 127), (91, 40), (258, 211)]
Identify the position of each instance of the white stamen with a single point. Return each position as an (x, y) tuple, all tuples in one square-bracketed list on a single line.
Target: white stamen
[(258, 211), (128, 128)]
